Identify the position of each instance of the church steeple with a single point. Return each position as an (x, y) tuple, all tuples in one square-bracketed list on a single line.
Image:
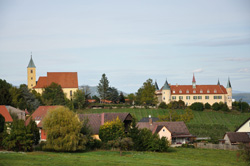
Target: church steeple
[(194, 82), (31, 73), (218, 82)]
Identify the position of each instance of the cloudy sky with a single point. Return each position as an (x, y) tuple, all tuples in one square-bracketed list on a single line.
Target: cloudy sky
[(130, 41)]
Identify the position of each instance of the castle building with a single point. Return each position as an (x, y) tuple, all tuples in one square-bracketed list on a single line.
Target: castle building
[(195, 93), (67, 80)]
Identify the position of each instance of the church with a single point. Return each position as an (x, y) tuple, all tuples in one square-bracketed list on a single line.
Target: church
[(195, 93), (67, 80)]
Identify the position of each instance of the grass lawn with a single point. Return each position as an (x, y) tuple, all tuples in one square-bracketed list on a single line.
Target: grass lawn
[(178, 156)]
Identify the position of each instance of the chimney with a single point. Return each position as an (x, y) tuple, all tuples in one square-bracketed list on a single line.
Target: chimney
[(150, 120)]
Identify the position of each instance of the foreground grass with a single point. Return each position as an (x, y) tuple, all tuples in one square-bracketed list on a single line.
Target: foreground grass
[(231, 120), (178, 156)]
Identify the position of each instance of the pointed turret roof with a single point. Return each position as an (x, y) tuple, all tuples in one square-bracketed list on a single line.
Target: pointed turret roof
[(31, 63), (193, 78), (156, 86), (166, 86), (229, 83), (218, 82)]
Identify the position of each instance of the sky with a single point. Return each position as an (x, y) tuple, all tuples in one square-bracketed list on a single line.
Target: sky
[(130, 41)]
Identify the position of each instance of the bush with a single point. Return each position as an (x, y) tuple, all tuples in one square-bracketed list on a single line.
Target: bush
[(163, 105), (197, 106), (216, 106), (207, 106)]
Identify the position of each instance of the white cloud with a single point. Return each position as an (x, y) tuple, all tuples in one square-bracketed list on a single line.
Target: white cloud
[(198, 70), (244, 70)]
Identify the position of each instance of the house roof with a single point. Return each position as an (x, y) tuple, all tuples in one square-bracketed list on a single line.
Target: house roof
[(242, 124), (39, 114), (5, 113), (146, 119), (200, 89), (96, 120), (65, 79), (238, 137), (31, 63), (177, 129)]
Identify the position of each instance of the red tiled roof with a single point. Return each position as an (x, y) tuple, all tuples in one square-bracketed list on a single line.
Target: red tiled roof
[(200, 89), (105, 101), (65, 79), (39, 114), (5, 113), (91, 100)]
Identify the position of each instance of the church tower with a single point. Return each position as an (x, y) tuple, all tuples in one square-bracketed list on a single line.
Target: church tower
[(229, 94), (194, 82), (31, 74)]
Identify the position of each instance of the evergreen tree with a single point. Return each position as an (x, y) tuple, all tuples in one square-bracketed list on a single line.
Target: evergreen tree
[(5, 96), (34, 131), (103, 87), (112, 94), (121, 98), (53, 95)]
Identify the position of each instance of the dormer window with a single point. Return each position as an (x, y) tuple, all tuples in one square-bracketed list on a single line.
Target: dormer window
[(180, 91), (215, 91), (194, 91), (173, 91), (208, 91), (187, 91), (201, 91)]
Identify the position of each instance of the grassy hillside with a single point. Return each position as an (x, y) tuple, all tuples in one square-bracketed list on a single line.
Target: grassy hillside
[(205, 124), (178, 156)]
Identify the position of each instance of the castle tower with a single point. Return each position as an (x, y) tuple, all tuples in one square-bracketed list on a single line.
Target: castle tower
[(166, 93), (156, 85), (31, 74), (194, 82), (229, 94)]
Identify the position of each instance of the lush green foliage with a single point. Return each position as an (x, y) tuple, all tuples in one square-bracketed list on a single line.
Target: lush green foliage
[(176, 105), (32, 128), (111, 130), (244, 152), (5, 96), (103, 86), (174, 116), (197, 106), (146, 94), (63, 131), (2, 123), (207, 106), (121, 143), (163, 105), (19, 139), (121, 98), (112, 94), (241, 106), (53, 95), (79, 99), (220, 106)]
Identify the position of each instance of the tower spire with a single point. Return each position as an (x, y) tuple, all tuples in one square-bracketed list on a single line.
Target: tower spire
[(156, 85), (166, 86), (218, 82), (229, 83), (194, 82)]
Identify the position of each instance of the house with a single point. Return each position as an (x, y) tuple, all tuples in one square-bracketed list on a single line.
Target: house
[(244, 127), (38, 116), (67, 80), (235, 138), (96, 120), (175, 132), (195, 93), (20, 114), (5, 113)]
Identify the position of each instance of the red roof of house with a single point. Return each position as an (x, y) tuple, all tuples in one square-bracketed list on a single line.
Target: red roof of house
[(65, 79), (5, 113), (39, 114), (200, 89), (91, 100)]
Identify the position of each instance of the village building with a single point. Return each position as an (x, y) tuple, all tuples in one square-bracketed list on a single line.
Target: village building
[(38, 117), (67, 80), (175, 132), (95, 121), (195, 93)]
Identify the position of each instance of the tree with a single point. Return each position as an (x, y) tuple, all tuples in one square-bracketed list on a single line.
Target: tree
[(197, 106), (112, 94), (97, 99), (163, 105), (63, 131), (111, 130), (5, 96), (207, 106), (2, 123), (131, 98), (103, 86), (148, 93), (53, 95), (31, 102), (19, 138), (34, 131), (122, 144), (121, 98), (79, 99)]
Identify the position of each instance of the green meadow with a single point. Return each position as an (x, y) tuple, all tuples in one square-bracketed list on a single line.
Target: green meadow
[(177, 156)]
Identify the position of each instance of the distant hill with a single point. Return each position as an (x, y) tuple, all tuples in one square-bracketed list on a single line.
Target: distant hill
[(93, 90), (244, 96)]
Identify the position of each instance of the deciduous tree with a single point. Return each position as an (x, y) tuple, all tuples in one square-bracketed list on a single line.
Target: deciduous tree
[(53, 95), (79, 99)]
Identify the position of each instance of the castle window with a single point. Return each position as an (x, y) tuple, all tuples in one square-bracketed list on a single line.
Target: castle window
[(31, 78), (201, 91), (31, 71), (180, 91), (188, 97), (219, 97), (173, 97), (215, 97), (199, 97), (215, 91), (187, 91), (194, 91), (206, 97), (31, 84), (173, 91), (208, 91), (163, 98), (71, 93), (180, 97), (194, 97)]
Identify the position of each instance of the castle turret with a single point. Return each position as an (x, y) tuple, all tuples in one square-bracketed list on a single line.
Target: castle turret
[(156, 86), (31, 74), (218, 82), (229, 94), (166, 93), (194, 82)]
